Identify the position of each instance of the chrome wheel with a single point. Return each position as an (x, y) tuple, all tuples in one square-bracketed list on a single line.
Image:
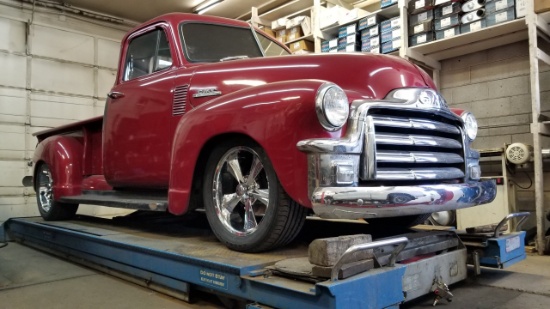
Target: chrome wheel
[(45, 189), (240, 191)]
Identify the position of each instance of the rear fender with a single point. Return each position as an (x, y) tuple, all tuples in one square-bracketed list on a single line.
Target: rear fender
[(276, 116), (63, 154)]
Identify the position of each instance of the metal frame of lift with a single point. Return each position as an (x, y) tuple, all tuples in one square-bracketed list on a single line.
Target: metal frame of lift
[(428, 262)]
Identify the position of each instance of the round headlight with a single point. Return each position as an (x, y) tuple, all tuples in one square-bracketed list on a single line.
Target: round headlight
[(470, 125), (332, 106)]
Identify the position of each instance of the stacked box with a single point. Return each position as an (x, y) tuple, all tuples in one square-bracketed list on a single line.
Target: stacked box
[(347, 30), (372, 45), (369, 21), (498, 5), (447, 18), (387, 3), (421, 21), (329, 46), (501, 16), (389, 46)]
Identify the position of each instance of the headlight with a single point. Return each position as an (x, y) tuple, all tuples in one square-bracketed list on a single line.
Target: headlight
[(470, 125), (422, 98), (332, 106)]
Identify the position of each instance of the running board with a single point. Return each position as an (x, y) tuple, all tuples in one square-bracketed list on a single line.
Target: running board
[(151, 202)]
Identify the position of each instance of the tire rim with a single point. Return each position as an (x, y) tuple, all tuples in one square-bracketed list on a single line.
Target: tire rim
[(45, 189), (240, 199)]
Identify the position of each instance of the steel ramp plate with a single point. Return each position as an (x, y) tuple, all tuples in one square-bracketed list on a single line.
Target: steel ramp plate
[(175, 256)]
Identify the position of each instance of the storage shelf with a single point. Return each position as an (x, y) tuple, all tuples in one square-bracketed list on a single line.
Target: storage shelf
[(388, 12), (494, 36), (305, 37)]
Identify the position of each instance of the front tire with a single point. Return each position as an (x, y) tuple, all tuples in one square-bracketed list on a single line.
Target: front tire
[(50, 209), (246, 206)]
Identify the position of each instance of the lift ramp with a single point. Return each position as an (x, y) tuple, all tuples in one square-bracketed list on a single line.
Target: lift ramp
[(175, 259)]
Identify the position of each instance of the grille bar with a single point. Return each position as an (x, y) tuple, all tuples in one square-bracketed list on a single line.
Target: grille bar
[(414, 123), (395, 156), (417, 140)]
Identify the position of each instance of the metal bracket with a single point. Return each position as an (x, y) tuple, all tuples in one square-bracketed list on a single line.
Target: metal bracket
[(346, 257), (510, 216), (441, 290)]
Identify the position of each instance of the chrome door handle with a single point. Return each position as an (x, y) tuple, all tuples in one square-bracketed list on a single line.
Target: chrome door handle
[(115, 95)]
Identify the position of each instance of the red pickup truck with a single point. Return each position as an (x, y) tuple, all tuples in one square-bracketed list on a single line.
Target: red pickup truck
[(211, 113)]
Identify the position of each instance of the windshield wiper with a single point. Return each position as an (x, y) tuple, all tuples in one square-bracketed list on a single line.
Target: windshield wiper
[(233, 58)]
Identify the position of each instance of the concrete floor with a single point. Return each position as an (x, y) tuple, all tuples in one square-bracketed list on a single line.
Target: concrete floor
[(30, 279)]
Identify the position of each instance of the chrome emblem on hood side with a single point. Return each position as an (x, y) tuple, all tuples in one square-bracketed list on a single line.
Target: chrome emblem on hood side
[(206, 92)]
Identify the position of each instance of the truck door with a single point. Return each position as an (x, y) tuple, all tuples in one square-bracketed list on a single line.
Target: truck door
[(136, 134)]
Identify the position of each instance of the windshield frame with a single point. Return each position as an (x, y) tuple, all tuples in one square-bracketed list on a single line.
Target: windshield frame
[(184, 44)]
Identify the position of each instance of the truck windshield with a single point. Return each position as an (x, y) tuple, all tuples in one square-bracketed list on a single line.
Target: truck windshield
[(211, 43)]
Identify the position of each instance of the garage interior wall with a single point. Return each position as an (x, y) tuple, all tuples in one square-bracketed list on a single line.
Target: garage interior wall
[(56, 69), (494, 85)]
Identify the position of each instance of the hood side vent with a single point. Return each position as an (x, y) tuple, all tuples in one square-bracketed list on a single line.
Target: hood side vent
[(180, 100)]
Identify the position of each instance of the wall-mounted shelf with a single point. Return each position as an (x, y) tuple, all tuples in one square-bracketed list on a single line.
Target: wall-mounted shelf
[(305, 37), (490, 37)]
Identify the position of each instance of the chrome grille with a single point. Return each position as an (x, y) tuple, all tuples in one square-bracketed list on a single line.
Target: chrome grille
[(180, 100), (421, 147)]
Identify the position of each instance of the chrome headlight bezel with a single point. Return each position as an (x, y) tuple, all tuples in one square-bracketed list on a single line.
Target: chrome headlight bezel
[(470, 125), (418, 97), (332, 106)]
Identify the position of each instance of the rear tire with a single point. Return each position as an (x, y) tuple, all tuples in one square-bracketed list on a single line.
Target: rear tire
[(50, 209), (246, 206)]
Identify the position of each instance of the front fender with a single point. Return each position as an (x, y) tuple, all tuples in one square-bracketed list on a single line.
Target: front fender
[(63, 154), (275, 115)]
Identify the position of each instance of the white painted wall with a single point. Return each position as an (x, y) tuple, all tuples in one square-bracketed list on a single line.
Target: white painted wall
[(59, 73)]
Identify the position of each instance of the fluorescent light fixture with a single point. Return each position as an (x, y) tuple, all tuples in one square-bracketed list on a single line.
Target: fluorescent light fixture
[(205, 6)]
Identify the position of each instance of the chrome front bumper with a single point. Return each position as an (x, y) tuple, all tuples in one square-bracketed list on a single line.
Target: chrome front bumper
[(379, 202), (340, 169)]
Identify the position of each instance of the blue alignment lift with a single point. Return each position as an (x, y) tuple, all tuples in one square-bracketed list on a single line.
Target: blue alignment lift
[(176, 258)]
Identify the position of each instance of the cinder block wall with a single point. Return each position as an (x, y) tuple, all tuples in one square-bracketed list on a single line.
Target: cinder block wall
[(494, 85), (57, 72)]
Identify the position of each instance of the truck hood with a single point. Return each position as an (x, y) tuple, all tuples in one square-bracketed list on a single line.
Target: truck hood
[(362, 76)]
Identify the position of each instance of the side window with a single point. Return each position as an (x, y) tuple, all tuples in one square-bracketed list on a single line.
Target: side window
[(270, 48), (146, 54)]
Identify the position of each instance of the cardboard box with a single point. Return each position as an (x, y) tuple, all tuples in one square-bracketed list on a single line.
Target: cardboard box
[(421, 28), (302, 45), (330, 16), (368, 33), (542, 6), (389, 25), (421, 38), (452, 8), (501, 16), (388, 47), (521, 7), (369, 21), (390, 36), (279, 24), (300, 21), (386, 3), (447, 33), (294, 33), (351, 15), (473, 26), (498, 5), (347, 30), (416, 19), (417, 6), (280, 35), (268, 31), (447, 22)]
